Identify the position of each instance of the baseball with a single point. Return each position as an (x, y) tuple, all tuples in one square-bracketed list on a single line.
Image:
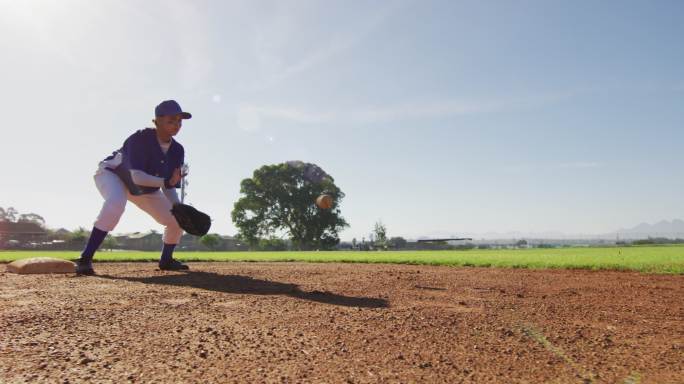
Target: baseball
[(324, 201)]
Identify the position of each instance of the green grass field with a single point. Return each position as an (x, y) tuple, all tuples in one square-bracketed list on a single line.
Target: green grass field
[(657, 259)]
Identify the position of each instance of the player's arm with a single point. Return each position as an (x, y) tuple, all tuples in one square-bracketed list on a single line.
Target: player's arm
[(171, 195), (145, 179)]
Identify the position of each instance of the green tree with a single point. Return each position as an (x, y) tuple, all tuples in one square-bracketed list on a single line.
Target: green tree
[(272, 244), (31, 218), (280, 198), (109, 242), (380, 234), (398, 242), (521, 243), (9, 214), (79, 236), (211, 241)]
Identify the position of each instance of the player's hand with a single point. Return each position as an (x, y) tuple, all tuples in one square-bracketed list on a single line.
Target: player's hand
[(175, 177)]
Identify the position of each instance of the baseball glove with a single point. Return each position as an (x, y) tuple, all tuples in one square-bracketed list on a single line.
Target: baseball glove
[(191, 220)]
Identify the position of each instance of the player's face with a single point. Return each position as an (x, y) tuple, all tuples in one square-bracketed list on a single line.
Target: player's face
[(170, 125)]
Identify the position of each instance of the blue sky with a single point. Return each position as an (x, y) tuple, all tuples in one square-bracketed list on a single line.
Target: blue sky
[(436, 117)]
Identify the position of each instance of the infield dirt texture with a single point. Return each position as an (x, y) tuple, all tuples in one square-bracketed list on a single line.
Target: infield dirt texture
[(355, 323)]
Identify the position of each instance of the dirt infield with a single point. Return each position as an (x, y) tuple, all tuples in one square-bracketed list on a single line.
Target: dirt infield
[(349, 323)]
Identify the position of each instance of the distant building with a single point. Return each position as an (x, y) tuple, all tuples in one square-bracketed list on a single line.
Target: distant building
[(140, 241), (61, 234), (21, 234)]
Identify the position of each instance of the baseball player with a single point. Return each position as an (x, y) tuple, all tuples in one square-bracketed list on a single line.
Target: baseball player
[(145, 171)]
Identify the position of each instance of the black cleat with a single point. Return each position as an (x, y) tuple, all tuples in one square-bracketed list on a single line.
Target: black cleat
[(84, 268), (173, 265)]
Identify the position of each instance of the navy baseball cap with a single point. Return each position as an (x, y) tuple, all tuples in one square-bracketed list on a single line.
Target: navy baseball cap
[(170, 107)]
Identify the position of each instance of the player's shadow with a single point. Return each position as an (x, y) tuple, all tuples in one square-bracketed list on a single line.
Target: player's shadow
[(244, 284)]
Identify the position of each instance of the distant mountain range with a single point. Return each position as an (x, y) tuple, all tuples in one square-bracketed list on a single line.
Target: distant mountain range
[(663, 228)]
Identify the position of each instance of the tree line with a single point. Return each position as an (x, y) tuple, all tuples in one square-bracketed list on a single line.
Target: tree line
[(11, 215)]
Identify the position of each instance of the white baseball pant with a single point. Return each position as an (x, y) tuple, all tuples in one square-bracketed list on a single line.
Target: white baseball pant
[(116, 195)]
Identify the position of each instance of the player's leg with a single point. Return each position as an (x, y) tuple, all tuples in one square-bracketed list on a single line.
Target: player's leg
[(114, 193), (159, 207)]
